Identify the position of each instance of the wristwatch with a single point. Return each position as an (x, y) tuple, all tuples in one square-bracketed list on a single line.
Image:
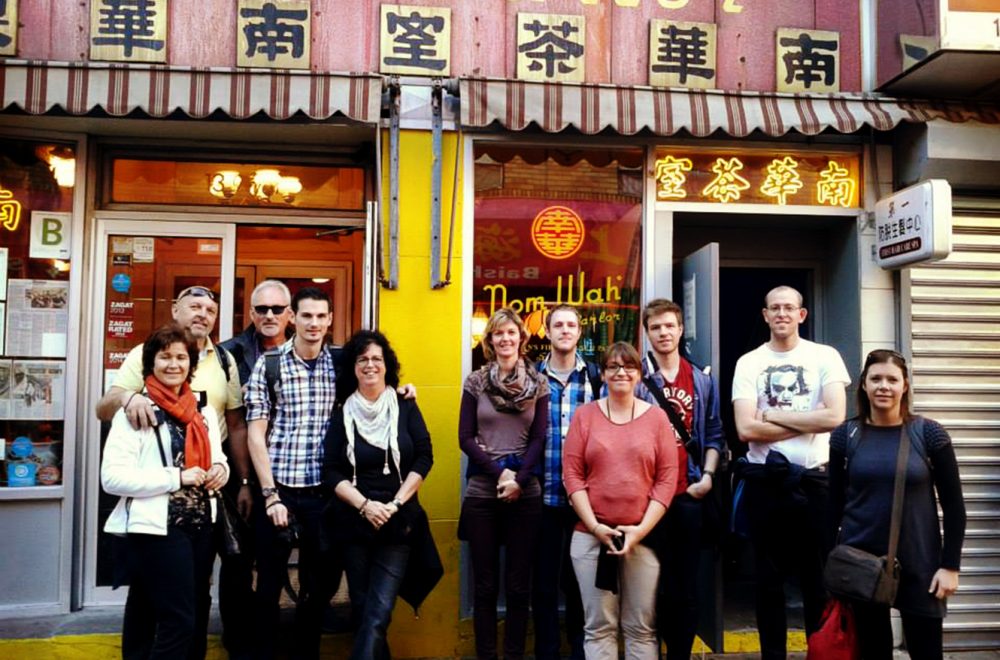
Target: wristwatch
[(268, 492), (710, 473), (397, 504)]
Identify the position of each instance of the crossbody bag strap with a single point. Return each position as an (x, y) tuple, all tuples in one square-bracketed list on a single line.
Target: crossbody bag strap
[(672, 414), (897, 497)]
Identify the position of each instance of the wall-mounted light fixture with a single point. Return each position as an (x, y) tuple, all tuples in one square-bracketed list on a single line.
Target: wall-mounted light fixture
[(225, 183)]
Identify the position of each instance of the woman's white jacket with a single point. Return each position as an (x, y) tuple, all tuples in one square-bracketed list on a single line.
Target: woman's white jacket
[(133, 468)]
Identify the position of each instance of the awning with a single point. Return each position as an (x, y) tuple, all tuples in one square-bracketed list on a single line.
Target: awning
[(553, 107), (158, 91)]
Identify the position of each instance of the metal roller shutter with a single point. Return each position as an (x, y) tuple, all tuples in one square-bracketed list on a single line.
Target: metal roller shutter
[(954, 318)]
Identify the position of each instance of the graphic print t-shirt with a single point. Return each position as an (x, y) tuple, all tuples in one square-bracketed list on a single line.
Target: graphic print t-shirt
[(793, 381), (680, 394)]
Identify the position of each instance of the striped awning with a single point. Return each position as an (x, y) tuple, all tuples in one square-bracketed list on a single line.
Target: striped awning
[(553, 107), (79, 88)]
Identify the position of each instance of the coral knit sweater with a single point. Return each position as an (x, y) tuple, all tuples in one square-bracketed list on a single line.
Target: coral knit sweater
[(621, 466)]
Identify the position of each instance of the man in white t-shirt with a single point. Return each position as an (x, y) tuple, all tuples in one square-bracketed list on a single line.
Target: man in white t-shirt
[(788, 394)]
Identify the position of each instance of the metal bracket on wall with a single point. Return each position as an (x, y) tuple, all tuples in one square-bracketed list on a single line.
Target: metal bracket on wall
[(436, 128), (392, 282)]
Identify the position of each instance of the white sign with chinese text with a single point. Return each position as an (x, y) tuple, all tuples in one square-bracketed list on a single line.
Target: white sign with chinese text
[(808, 60), (550, 47), (970, 24), (914, 225), (681, 54), (133, 31), (51, 235), (415, 40), (8, 27), (273, 33)]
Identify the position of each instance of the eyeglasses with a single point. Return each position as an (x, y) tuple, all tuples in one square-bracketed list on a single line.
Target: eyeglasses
[(375, 361), (615, 369), (262, 310), (787, 309), (196, 292)]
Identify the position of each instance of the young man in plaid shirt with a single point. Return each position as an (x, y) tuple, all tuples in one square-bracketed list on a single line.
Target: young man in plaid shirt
[(572, 383), (289, 460)]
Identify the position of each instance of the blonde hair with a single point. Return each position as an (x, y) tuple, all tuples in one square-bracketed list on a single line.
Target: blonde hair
[(501, 316)]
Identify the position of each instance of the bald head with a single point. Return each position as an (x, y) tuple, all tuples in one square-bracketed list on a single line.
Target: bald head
[(780, 290)]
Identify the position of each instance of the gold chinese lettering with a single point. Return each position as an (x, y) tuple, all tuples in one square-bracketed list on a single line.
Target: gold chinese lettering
[(557, 232), (671, 175), (10, 210), (782, 179), (835, 186), (727, 185)]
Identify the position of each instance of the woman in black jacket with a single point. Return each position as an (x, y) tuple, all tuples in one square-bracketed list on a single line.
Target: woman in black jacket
[(377, 455), (862, 475)]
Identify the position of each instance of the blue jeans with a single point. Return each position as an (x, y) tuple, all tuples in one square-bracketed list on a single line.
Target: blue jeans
[(374, 573)]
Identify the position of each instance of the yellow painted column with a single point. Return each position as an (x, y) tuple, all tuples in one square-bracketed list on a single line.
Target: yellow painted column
[(425, 329)]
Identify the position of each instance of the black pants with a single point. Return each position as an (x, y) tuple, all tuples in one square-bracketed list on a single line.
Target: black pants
[(679, 576), (923, 634), (554, 572), (319, 574), (490, 523), (167, 606), (789, 535), (236, 587)]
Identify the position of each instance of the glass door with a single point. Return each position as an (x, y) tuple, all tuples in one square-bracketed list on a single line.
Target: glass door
[(140, 266)]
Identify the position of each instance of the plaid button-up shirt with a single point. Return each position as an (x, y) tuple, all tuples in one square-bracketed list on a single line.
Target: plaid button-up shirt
[(305, 400), (564, 399)]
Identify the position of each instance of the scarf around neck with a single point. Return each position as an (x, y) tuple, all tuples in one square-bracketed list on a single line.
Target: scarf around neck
[(512, 393), (377, 422), (183, 406)]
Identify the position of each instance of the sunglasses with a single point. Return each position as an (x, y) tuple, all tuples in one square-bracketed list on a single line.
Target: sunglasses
[(262, 310), (197, 292), (881, 353)]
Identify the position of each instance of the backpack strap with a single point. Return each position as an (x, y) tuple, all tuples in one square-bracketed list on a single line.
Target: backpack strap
[(224, 358), (272, 374), (692, 448), (594, 376)]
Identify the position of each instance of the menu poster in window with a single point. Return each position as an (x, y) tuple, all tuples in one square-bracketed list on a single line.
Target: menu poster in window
[(37, 318), (38, 389), (5, 368), (3, 272)]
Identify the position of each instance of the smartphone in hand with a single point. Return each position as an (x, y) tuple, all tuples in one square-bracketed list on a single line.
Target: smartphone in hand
[(618, 542)]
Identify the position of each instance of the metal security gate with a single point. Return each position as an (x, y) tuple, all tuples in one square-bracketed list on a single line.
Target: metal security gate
[(954, 317)]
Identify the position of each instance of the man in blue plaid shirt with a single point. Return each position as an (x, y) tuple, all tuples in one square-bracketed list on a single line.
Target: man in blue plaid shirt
[(289, 460), (572, 383)]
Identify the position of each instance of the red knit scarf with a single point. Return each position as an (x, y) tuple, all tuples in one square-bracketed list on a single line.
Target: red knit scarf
[(183, 406)]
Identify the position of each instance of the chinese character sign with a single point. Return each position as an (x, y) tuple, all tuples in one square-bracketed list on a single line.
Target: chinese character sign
[(681, 54), (808, 60), (8, 27), (800, 179), (128, 30), (915, 48), (273, 34), (550, 47), (415, 40)]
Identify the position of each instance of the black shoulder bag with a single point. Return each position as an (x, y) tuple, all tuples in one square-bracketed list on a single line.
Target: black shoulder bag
[(859, 575)]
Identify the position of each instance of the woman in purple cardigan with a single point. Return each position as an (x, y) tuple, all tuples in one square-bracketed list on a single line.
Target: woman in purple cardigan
[(502, 425)]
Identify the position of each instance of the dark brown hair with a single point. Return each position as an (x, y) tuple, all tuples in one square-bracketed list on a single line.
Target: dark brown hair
[(165, 337), (659, 306), (625, 352), (883, 356)]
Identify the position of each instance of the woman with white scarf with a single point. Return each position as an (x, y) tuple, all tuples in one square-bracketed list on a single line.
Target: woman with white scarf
[(377, 455)]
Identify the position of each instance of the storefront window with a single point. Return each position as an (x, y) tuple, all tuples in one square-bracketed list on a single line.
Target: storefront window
[(196, 183), (36, 198), (559, 226)]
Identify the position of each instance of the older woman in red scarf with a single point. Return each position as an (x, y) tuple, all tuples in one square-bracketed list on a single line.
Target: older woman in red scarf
[(166, 477)]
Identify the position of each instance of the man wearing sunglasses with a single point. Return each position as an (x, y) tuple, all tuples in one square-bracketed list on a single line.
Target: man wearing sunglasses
[(195, 310), (270, 314), (788, 394)]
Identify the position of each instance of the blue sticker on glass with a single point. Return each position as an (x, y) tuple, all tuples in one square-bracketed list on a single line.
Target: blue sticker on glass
[(121, 283), (21, 447), (21, 470)]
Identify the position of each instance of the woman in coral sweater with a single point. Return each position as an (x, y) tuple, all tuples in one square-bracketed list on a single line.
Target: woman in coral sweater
[(620, 472)]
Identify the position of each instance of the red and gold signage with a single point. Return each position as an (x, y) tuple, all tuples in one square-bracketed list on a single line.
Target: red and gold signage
[(781, 178), (10, 210), (557, 232)]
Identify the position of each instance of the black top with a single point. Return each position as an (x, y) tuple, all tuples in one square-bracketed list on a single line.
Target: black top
[(188, 506), (861, 505), (415, 454)]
